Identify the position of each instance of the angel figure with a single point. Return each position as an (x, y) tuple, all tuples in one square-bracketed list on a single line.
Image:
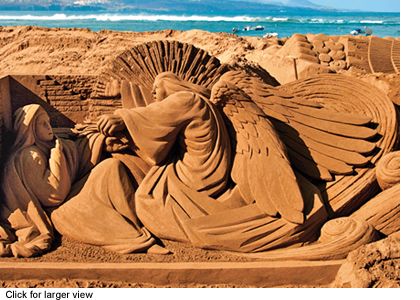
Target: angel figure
[(214, 169)]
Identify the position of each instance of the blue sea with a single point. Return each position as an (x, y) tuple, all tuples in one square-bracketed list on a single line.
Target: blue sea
[(283, 23)]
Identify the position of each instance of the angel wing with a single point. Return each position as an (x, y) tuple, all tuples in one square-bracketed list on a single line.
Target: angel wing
[(320, 142), (261, 168)]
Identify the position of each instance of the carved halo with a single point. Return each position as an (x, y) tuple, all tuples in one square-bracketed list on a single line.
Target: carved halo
[(141, 64)]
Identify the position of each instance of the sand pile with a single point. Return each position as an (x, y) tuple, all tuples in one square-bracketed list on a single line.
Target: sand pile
[(35, 50), (372, 265)]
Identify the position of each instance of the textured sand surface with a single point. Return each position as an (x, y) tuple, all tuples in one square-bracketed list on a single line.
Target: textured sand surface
[(80, 51), (54, 51), (44, 51)]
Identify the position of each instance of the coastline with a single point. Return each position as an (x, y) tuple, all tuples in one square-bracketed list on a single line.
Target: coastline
[(282, 22)]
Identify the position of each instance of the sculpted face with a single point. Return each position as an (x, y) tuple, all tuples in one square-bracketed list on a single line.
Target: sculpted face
[(165, 85), (159, 92), (43, 128)]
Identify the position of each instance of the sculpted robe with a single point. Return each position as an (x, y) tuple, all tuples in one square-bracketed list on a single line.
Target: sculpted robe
[(38, 179), (187, 194)]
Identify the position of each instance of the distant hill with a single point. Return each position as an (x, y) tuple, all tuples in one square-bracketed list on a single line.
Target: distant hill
[(168, 6), (292, 3), (303, 3)]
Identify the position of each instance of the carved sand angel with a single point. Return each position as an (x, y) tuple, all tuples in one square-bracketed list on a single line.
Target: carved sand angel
[(215, 166)]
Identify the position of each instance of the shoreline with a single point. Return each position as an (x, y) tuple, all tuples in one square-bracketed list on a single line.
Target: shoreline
[(283, 22)]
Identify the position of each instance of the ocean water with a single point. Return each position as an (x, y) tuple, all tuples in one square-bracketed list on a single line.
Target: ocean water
[(283, 23)]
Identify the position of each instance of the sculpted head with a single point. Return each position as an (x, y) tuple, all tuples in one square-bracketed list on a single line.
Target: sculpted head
[(43, 129), (32, 126), (168, 83)]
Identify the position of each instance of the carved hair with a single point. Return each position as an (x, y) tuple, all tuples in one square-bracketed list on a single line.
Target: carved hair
[(172, 84)]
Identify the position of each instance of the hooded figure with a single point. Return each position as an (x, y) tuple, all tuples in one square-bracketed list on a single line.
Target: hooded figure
[(38, 174), (44, 171)]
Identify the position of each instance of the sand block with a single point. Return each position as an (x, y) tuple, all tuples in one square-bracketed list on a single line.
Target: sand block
[(318, 44), (259, 274), (299, 37), (395, 55), (337, 46), (317, 37), (337, 65), (337, 54), (323, 57), (323, 50), (330, 44), (380, 55)]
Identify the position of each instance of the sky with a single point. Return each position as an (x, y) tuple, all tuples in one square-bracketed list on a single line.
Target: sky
[(364, 5), (367, 5)]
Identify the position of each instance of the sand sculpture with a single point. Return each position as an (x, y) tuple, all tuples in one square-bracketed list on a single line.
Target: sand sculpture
[(383, 211), (207, 155), (307, 55)]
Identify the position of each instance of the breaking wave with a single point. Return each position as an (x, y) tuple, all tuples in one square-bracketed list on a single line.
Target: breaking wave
[(184, 18)]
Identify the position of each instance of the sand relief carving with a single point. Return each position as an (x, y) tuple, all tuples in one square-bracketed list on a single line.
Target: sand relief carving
[(234, 166), (307, 55), (45, 171)]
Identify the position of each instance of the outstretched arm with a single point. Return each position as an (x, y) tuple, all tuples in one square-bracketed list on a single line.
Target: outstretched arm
[(154, 129)]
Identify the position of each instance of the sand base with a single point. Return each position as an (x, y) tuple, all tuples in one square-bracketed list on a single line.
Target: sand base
[(250, 274), (73, 264)]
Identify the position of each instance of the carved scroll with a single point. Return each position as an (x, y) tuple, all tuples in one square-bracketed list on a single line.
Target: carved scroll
[(338, 238), (388, 170), (383, 211)]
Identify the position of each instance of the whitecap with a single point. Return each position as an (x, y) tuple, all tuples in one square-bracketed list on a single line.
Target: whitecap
[(371, 22), (136, 17), (277, 19)]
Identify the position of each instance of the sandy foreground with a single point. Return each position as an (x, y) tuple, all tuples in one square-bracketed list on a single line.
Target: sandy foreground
[(43, 51)]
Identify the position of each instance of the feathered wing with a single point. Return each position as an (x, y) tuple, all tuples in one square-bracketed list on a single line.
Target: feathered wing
[(320, 142), (261, 168)]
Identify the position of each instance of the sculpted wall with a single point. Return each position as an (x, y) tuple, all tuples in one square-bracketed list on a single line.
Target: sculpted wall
[(307, 55), (172, 145)]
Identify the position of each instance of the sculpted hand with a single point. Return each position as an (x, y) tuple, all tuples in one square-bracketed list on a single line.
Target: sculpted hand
[(110, 90), (58, 146), (113, 144), (110, 124)]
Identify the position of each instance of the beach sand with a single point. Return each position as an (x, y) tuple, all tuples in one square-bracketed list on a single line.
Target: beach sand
[(45, 51)]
